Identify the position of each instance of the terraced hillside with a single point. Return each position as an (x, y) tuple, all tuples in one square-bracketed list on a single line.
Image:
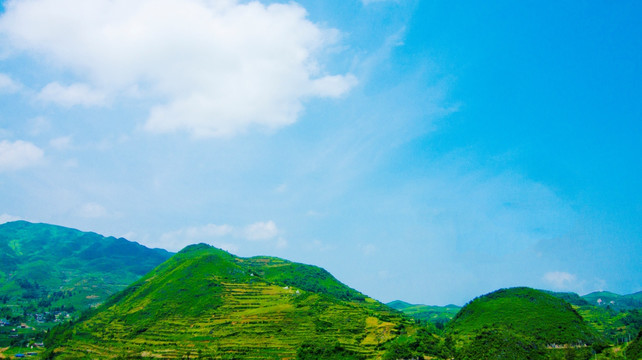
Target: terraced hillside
[(207, 302)]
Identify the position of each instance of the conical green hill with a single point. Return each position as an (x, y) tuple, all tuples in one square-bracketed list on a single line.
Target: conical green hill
[(207, 302), (525, 311), (531, 321)]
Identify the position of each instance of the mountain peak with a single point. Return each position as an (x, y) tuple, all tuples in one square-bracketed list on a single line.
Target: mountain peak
[(207, 299)]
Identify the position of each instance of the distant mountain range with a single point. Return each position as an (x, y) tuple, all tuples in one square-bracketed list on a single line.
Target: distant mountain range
[(437, 315), (203, 302)]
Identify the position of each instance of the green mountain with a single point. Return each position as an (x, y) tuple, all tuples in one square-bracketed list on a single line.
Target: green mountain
[(614, 301), (617, 318), (207, 302), (50, 273), (437, 315), (399, 305), (602, 298), (570, 297), (522, 322)]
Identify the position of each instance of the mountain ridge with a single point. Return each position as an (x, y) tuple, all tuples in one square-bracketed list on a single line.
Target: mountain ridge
[(51, 273)]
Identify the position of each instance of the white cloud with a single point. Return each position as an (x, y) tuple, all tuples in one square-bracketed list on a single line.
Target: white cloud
[(320, 246), (368, 249), (385, 275), (18, 155), (5, 218), (560, 280), (281, 243), (222, 236), (8, 85), (176, 240), (215, 68), (261, 231), (72, 95), (39, 125), (61, 143), (70, 163), (209, 230), (92, 210)]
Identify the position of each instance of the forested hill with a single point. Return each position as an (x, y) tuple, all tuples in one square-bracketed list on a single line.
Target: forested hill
[(48, 270), (523, 322)]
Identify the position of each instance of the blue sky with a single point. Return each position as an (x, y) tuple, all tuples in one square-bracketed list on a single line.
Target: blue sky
[(424, 151)]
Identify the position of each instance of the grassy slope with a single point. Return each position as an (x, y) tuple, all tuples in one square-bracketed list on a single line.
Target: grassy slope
[(45, 267), (204, 300), (533, 319)]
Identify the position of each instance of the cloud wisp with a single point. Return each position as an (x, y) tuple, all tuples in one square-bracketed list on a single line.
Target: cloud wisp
[(18, 155), (223, 236), (5, 218), (560, 280), (8, 85), (72, 95), (210, 69)]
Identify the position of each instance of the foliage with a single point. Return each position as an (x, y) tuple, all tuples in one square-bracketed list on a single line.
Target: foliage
[(416, 346), (501, 344), (634, 349), (313, 350)]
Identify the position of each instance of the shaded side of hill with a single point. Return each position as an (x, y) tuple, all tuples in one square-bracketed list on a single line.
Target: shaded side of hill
[(634, 349)]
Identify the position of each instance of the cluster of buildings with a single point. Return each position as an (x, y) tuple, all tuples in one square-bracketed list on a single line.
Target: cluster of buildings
[(55, 316)]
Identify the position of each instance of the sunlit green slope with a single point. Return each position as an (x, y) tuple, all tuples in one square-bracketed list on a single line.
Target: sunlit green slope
[(207, 302)]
